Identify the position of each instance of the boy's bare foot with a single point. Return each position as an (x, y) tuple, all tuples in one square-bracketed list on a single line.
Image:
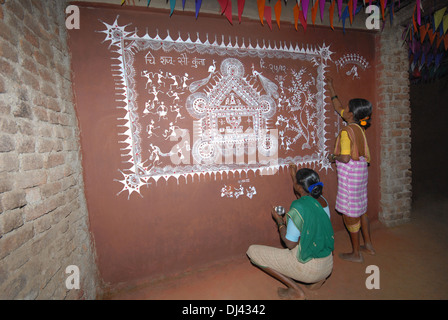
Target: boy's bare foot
[(290, 294), (368, 248), (351, 257)]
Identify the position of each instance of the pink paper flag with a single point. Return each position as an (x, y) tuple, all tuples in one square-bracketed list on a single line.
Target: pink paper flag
[(268, 16), (223, 4), (226, 7), (240, 9)]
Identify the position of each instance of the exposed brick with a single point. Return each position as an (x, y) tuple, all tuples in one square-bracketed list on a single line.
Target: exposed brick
[(42, 207), (30, 179), (2, 85), (31, 162), (8, 52), (10, 221), (393, 88), (13, 200), (54, 160), (15, 239), (7, 143)]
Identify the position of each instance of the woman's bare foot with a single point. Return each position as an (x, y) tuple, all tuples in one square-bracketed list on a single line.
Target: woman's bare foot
[(368, 248), (351, 257), (290, 294)]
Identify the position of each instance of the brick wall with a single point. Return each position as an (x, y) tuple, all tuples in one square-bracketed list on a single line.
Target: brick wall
[(395, 116), (43, 215)]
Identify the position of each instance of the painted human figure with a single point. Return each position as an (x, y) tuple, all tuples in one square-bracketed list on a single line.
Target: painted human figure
[(150, 128)]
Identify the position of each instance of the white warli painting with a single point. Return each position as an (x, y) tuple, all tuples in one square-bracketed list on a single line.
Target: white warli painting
[(215, 107), (351, 63)]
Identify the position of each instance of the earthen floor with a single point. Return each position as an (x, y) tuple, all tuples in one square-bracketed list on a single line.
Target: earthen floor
[(412, 261)]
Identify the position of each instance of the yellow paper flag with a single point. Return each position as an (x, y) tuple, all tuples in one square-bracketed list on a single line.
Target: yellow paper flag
[(438, 16), (445, 24)]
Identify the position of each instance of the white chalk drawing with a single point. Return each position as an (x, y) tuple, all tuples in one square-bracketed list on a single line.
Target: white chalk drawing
[(194, 109), (353, 61)]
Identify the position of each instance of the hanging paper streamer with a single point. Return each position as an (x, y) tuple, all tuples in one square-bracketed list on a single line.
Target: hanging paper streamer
[(391, 11), (431, 36), (438, 17), (350, 10), (305, 4), (172, 5), (183, 4), (314, 11), (278, 11), (340, 8), (149, 1), (419, 17), (260, 4), (345, 15), (332, 13), (445, 24), (322, 8), (268, 16), (423, 32), (240, 9), (198, 7), (226, 8), (302, 19), (296, 12), (383, 6)]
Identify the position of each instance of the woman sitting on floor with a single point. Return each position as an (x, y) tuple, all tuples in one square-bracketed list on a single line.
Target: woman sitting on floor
[(308, 236)]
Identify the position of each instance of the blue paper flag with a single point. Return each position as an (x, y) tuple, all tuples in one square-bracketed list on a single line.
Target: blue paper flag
[(198, 7), (344, 16)]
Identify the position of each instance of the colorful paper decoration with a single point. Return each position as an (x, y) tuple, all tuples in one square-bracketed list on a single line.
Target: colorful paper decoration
[(260, 4), (198, 6), (278, 11), (340, 8), (322, 8), (438, 17), (296, 12), (241, 4), (332, 13), (172, 5), (226, 8), (268, 16), (314, 11), (302, 6), (305, 4)]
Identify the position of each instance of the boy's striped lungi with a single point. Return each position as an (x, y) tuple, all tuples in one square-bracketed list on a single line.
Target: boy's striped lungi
[(351, 199)]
